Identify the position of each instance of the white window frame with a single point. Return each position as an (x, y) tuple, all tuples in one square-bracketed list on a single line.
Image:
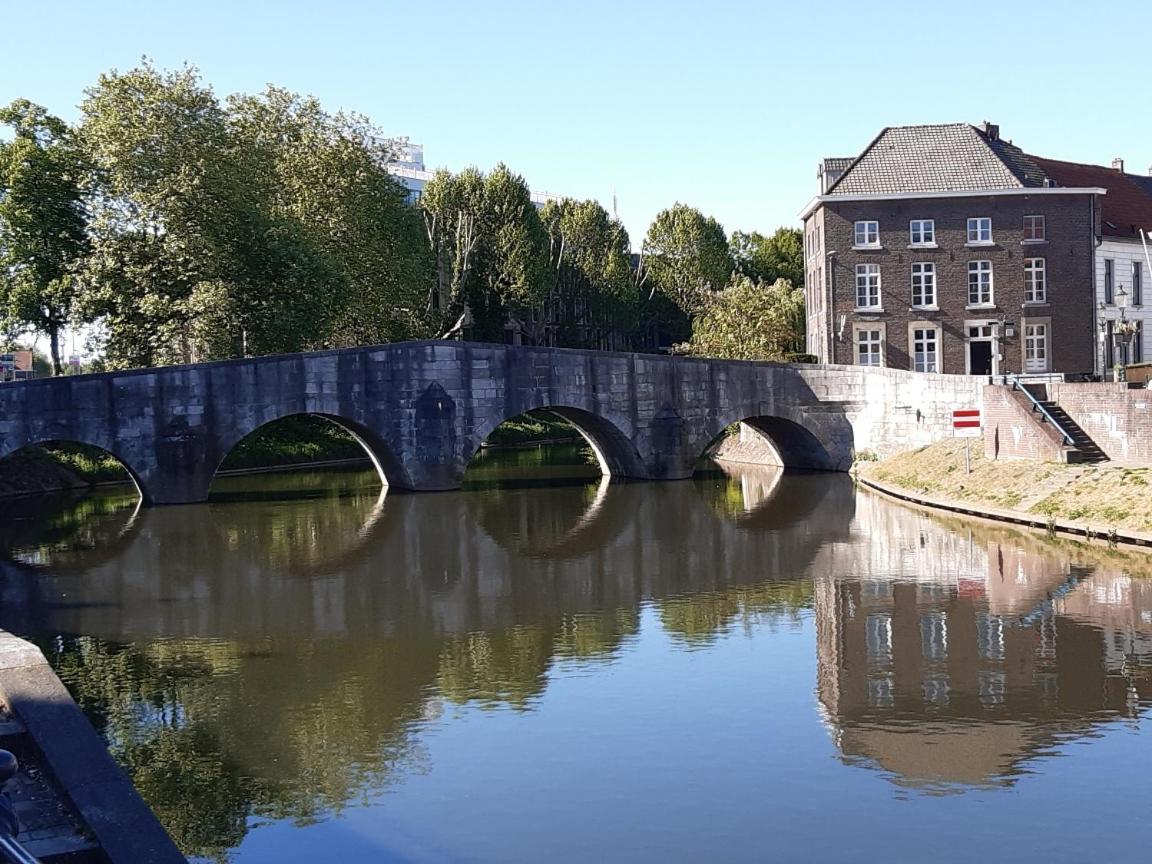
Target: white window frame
[(875, 340), (918, 335), (1036, 350), (922, 233), (869, 229), (870, 274), (926, 287), (1035, 280), (981, 267), (1043, 238), (980, 231)]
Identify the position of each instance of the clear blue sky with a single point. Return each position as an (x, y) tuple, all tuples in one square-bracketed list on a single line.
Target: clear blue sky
[(724, 105)]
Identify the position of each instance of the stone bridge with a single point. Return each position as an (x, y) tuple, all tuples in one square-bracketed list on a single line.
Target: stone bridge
[(422, 409)]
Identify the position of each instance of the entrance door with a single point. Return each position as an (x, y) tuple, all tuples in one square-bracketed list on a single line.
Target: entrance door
[(980, 357)]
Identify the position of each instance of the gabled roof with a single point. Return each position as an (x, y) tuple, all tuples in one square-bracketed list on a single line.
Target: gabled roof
[(1125, 210), (945, 158)]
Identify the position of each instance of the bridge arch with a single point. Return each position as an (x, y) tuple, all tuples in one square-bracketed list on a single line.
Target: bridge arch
[(615, 452), (389, 468), (772, 439), (63, 443)]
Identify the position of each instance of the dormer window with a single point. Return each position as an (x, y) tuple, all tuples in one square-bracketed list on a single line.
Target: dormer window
[(980, 231), (867, 235), (922, 232)]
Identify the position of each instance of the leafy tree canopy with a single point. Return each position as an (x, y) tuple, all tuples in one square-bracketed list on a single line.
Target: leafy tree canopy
[(43, 224), (750, 321), (766, 259), (687, 257)]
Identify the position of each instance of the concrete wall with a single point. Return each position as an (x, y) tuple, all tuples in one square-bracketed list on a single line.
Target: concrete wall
[(1119, 420), (422, 409)]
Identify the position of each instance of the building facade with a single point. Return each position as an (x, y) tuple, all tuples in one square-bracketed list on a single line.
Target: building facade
[(1123, 267), (947, 249)]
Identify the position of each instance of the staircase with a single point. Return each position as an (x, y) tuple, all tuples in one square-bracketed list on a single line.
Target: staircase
[(1083, 448)]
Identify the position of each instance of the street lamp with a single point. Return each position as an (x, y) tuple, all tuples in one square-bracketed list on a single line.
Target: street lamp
[(1124, 331)]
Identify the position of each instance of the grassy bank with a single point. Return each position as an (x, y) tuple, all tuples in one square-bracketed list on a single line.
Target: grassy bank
[(1103, 496), (534, 427), (293, 441), (58, 466)]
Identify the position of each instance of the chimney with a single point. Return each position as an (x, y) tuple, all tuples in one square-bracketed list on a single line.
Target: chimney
[(1118, 164), (992, 130)]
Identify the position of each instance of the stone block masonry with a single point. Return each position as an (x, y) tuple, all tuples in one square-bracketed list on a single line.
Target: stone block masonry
[(422, 409)]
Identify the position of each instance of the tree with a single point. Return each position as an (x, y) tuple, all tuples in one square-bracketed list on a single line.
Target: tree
[(766, 259), (43, 223), (687, 257), (490, 248), (595, 300), (263, 224), (750, 321)]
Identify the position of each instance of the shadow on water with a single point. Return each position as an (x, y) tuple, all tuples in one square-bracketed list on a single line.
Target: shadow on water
[(350, 623)]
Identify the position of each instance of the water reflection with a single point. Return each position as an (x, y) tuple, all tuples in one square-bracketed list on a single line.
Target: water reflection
[(280, 654), (952, 657)]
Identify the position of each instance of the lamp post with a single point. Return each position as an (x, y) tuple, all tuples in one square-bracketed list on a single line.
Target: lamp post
[(1124, 331)]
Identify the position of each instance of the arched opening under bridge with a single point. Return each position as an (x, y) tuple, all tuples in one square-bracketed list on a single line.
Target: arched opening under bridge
[(552, 445), (305, 455)]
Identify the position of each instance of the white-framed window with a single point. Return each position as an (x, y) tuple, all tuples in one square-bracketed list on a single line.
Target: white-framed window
[(925, 348), (1137, 283), (922, 232), (980, 230), (867, 234), (1035, 281), (1034, 229), (924, 285), (1035, 347), (867, 286), (869, 347), (979, 283)]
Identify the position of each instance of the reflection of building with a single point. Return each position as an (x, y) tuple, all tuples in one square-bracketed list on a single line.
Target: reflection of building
[(948, 664)]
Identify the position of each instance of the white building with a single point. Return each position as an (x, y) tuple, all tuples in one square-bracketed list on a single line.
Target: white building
[(1123, 259), (408, 168)]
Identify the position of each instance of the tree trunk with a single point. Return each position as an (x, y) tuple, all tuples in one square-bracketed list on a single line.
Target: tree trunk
[(54, 339)]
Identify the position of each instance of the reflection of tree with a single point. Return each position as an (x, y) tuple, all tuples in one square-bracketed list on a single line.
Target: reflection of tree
[(61, 529), (510, 666), (299, 522), (701, 618), (214, 734)]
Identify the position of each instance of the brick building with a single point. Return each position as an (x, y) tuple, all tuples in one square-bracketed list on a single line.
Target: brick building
[(948, 249), (1123, 262)]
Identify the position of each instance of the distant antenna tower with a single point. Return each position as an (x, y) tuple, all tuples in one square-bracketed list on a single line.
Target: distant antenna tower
[(615, 215)]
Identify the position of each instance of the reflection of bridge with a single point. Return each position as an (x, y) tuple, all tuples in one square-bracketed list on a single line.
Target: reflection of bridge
[(421, 409)]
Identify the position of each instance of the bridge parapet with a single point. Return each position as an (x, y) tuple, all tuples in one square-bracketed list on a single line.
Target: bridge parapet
[(422, 409)]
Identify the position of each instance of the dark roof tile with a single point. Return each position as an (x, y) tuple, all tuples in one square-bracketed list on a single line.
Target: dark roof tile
[(1125, 210), (945, 158)]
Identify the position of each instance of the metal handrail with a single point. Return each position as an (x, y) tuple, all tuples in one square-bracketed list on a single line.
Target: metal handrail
[(1037, 406), (11, 851)]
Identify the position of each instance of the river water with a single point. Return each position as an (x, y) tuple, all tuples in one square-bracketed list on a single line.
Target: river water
[(747, 666)]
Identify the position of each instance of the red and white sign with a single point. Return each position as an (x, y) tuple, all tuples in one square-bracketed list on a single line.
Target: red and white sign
[(966, 422)]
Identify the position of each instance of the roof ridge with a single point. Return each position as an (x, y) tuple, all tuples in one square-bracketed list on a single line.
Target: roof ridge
[(856, 161)]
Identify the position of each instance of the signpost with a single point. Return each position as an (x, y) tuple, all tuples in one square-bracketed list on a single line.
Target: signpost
[(966, 423)]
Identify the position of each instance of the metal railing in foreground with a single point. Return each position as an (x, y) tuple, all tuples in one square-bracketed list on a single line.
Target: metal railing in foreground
[(1038, 406), (11, 851)]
